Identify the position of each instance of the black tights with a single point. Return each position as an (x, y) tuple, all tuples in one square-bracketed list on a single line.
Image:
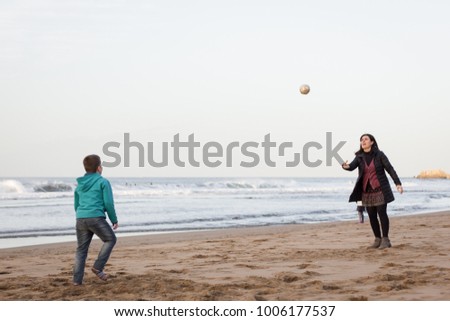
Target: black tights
[(381, 210)]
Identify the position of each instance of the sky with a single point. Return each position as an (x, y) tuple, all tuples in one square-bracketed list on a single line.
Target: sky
[(76, 75)]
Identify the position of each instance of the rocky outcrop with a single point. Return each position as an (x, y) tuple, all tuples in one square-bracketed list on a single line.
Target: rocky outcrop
[(433, 173)]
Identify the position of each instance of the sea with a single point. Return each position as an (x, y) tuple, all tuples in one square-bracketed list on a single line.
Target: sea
[(40, 210)]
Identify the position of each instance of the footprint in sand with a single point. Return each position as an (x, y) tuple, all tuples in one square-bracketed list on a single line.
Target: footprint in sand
[(311, 273), (177, 271), (121, 273), (253, 267), (328, 287), (391, 277)]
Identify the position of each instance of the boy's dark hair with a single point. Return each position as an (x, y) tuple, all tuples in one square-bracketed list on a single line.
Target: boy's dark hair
[(91, 163)]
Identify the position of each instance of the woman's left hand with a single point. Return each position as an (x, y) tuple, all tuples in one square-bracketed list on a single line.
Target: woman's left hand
[(400, 189)]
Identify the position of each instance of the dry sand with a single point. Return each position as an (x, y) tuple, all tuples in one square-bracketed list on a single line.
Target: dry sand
[(327, 261)]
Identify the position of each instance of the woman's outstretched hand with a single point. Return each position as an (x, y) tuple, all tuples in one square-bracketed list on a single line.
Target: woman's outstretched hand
[(345, 165), (400, 189)]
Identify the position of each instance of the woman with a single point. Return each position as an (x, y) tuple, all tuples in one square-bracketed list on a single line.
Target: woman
[(372, 187)]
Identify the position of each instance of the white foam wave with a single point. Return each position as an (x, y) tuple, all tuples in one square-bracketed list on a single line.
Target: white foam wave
[(52, 187), (11, 186), (223, 186)]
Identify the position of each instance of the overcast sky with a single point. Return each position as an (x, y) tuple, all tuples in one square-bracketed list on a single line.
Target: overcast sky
[(75, 75)]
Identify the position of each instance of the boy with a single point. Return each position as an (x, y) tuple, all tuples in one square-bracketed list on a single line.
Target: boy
[(93, 196)]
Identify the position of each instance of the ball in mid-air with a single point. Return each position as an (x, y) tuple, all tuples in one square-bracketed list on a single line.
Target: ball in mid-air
[(304, 89)]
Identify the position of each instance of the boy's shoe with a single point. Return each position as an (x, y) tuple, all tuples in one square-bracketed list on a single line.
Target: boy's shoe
[(100, 274), (376, 243), (361, 217), (385, 243)]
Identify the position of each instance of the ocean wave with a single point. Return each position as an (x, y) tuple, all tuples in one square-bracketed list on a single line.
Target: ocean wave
[(438, 196), (208, 184), (224, 188), (11, 186), (410, 208), (52, 187), (242, 184), (15, 189)]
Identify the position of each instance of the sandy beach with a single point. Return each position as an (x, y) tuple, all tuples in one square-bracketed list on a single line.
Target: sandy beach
[(327, 261)]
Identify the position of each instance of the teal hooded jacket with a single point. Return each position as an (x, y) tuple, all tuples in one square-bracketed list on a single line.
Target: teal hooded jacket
[(94, 197)]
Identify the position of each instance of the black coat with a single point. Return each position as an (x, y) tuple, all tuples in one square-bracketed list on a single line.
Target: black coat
[(382, 164)]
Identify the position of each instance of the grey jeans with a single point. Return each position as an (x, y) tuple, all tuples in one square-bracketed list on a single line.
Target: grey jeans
[(86, 228)]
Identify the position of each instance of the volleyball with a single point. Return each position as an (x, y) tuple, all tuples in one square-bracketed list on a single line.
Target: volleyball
[(304, 89)]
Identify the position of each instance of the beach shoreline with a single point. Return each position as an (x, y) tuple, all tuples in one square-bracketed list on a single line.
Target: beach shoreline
[(19, 242), (322, 261)]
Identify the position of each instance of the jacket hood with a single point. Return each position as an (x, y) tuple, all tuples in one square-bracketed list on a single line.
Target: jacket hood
[(87, 181)]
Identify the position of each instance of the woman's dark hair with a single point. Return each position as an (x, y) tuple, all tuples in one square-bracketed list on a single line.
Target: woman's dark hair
[(372, 139), (91, 163)]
